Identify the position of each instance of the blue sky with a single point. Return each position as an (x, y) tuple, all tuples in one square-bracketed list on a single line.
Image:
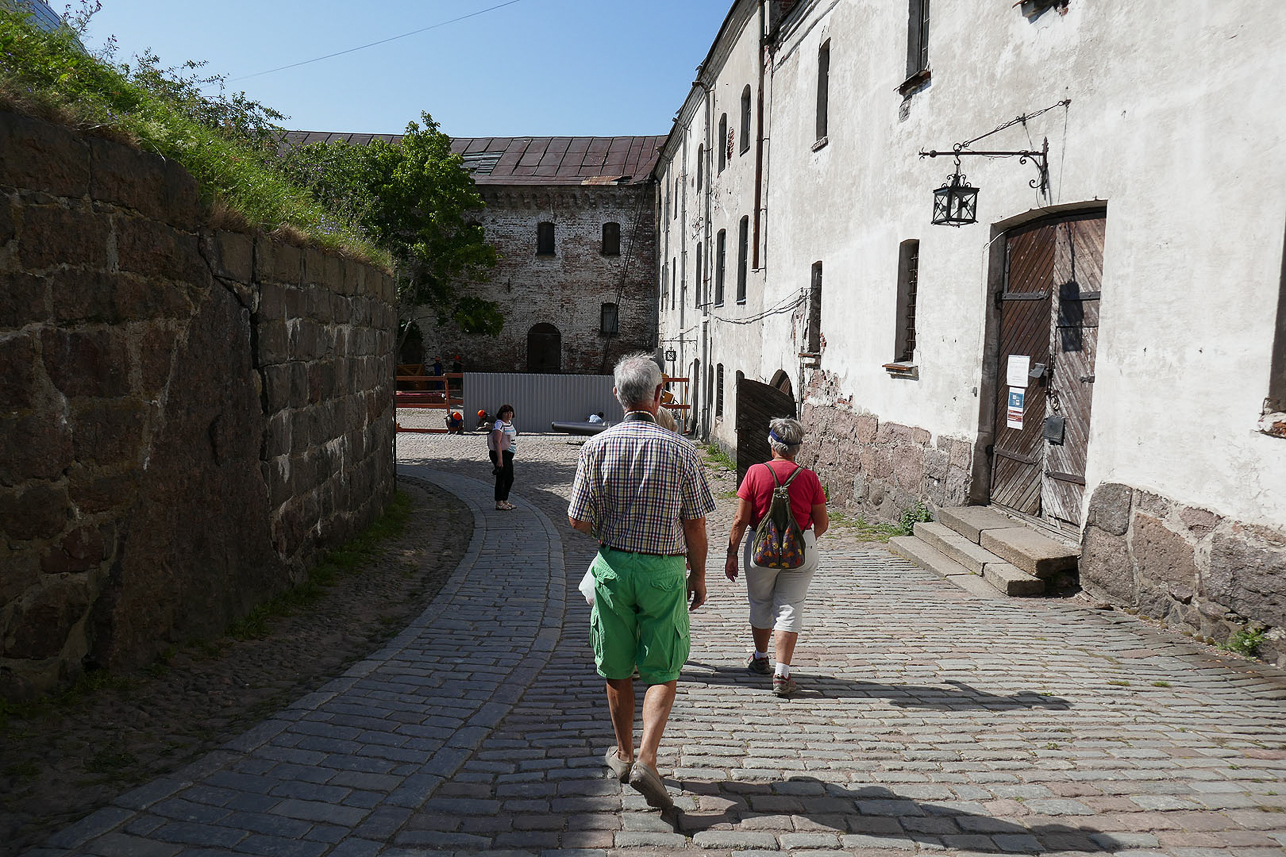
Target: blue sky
[(536, 67)]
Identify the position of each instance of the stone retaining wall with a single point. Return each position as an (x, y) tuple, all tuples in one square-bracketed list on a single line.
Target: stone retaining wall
[(1186, 565), (881, 469), (186, 414)]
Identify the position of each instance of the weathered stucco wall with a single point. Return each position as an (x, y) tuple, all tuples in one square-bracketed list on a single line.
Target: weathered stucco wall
[(565, 289), (186, 414)]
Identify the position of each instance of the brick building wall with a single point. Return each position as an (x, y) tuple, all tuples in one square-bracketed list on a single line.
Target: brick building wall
[(565, 289)]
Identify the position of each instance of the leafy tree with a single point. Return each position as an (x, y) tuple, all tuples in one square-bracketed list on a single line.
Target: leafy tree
[(415, 199)]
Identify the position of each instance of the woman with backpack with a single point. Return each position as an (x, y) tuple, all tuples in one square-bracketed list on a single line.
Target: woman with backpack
[(781, 554)]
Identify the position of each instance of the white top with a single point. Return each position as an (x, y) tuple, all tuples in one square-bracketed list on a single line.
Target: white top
[(510, 435)]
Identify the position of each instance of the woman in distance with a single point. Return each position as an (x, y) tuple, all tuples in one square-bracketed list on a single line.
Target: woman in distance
[(502, 443)]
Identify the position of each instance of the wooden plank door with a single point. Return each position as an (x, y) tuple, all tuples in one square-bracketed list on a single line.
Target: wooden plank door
[(757, 405), (1018, 458), (1078, 278)]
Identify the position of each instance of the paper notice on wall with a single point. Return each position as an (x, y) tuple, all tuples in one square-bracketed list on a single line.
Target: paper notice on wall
[(1014, 414), (1016, 373)]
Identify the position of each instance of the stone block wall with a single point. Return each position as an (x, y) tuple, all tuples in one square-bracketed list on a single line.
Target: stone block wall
[(186, 414), (881, 469), (1186, 565), (566, 289)]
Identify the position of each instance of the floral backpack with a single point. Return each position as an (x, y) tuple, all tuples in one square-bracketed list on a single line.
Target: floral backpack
[(779, 541)]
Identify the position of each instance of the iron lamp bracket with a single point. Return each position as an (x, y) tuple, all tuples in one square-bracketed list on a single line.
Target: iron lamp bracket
[(1039, 157)]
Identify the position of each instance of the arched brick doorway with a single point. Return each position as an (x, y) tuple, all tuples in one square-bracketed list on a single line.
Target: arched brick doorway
[(544, 349)]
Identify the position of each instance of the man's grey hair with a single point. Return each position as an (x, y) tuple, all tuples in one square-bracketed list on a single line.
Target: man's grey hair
[(785, 435), (637, 376)]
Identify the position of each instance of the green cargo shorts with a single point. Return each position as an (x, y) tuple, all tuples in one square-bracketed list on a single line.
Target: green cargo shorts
[(640, 615)]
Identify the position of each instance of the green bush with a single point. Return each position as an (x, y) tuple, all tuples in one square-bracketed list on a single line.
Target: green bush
[(1246, 642), (917, 514)]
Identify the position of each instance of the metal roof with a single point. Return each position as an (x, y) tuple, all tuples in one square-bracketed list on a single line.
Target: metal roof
[(41, 14), (533, 160)]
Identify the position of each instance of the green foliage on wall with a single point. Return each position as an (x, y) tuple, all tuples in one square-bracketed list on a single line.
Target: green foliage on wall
[(226, 141)]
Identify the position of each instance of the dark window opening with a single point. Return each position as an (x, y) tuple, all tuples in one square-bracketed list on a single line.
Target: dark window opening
[(823, 89), (917, 38), (608, 320), (723, 141), (718, 400), (701, 164), (674, 281), (699, 278), (745, 119), (743, 246), (720, 251), (815, 311), (544, 239), (908, 285), (1277, 374), (611, 239)]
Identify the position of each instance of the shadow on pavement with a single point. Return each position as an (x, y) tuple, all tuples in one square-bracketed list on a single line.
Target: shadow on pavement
[(958, 695), (877, 817)]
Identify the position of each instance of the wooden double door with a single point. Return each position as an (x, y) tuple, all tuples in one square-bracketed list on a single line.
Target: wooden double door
[(1049, 307)]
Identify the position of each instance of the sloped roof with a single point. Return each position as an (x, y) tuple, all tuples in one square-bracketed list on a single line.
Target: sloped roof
[(533, 160), (41, 13)]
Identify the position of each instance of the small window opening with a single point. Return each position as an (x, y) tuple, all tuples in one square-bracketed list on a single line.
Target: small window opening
[(743, 246), (700, 279), (611, 239), (908, 285), (701, 164), (609, 322), (917, 38), (723, 141), (745, 119), (674, 281), (718, 401), (815, 311), (544, 239), (1277, 374), (823, 89), (720, 252)]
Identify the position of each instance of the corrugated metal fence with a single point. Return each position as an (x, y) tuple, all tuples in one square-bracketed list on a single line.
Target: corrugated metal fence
[(539, 400)]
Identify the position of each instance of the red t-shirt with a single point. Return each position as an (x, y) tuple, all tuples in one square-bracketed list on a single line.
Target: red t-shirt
[(805, 492)]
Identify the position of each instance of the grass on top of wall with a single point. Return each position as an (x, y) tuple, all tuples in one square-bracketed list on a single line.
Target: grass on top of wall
[(226, 142)]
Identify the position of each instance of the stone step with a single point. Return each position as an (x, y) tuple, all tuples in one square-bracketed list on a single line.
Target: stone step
[(1013, 581), (927, 557), (955, 546), (972, 521), (1030, 551)]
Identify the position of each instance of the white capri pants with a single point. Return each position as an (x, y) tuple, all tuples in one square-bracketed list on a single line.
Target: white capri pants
[(777, 594)]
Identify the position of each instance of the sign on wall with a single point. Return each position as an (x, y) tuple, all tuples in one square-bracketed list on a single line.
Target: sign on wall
[(1014, 415)]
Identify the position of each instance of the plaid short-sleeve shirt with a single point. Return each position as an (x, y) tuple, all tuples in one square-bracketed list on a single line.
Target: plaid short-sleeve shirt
[(636, 483)]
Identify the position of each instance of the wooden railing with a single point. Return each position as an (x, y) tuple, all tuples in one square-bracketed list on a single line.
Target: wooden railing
[(415, 389)]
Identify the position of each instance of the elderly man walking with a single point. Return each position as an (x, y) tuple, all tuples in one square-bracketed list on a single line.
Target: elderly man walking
[(641, 492)]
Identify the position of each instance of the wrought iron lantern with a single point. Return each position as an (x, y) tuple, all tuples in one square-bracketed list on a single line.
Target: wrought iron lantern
[(956, 202)]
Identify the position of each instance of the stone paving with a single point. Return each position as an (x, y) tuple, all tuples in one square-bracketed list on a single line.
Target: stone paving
[(930, 719)]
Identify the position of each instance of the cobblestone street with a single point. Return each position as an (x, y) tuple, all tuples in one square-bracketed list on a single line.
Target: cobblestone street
[(929, 719)]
